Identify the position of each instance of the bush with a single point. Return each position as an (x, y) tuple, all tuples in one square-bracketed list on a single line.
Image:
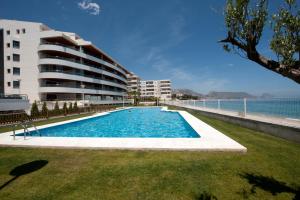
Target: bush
[(75, 107), (70, 107), (65, 109), (56, 110), (34, 110), (45, 110)]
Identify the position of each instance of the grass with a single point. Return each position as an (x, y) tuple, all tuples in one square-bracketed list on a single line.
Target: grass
[(269, 170), (46, 121)]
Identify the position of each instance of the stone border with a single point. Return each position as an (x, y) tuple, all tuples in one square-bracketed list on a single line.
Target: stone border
[(210, 140)]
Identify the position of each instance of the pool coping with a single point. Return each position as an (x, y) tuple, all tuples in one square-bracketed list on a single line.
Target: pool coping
[(210, 138)]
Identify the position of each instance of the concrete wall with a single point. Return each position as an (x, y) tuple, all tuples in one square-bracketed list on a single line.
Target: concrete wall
[(14, 104), (289, 133)]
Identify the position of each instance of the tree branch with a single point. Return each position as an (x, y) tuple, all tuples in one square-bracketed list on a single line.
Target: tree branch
[(292, 72)]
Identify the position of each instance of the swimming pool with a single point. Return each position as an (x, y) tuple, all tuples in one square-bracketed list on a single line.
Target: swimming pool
[(130, 123)]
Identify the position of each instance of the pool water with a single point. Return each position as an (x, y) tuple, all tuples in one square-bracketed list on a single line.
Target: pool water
[(129, 123)]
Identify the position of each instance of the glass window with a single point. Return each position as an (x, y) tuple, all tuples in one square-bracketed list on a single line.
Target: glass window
[(18, 31), (7, 45), (8, 71), (8, 57), (16, 44), (23, 30), (8, 32), (16, 57), (8, 84), (16, 71), (16, 84)]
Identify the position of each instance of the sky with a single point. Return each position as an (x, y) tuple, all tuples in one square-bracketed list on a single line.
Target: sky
[(170, 39)]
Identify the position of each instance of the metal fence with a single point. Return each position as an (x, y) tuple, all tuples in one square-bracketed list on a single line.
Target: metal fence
[(276, 107)]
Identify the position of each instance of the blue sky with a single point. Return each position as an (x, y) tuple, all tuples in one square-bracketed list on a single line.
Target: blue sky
[(170, 39)]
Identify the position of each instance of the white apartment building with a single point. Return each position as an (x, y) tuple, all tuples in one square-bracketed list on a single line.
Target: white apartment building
[(48, 65), (156, 88), (133, 82)]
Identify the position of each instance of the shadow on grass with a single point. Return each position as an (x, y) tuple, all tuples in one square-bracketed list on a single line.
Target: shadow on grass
[(206, 196), (25, 169), (269, 184)]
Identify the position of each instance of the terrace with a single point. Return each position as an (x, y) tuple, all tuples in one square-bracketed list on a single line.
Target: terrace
[(267, 171)]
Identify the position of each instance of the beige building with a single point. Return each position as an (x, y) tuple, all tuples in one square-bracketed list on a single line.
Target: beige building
[(133, 83), (48, 65), (156, 88)]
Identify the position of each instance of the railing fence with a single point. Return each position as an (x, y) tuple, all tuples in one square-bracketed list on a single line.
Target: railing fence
[(276, 107)]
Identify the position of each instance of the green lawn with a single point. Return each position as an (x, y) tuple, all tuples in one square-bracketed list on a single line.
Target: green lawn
[(47, 121), (269, 170)]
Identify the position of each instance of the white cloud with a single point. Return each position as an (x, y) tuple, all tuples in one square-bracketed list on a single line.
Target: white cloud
[(91, 7)]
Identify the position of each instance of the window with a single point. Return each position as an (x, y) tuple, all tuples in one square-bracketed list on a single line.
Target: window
[(23, 31), (16, 44), (16, 71), (7, 45), (16, 57), (8, 71), (18, 31), (16, 84), (8, 57), (8, 32), (8, 84)]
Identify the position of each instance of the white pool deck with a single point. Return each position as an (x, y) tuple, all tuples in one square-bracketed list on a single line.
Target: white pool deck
[(210, 140)]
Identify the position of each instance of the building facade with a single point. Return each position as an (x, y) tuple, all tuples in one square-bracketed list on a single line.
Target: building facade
[(49, 65), (156, 88), (133, 83)]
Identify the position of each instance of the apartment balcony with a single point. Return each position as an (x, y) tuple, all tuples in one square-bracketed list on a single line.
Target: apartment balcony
[(101, 102), (61, 88), (77, 77), (75, 51), (56, 60)]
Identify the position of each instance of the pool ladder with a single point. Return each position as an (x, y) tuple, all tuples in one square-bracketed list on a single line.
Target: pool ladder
[(25, 126)]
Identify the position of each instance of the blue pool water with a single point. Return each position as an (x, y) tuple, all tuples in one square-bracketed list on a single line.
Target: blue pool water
[(131, 123)]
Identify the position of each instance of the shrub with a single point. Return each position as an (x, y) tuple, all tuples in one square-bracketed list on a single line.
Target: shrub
[(56, 110), (65, 109), (75, 107), (34, 110), (70, 107), (44, 110)]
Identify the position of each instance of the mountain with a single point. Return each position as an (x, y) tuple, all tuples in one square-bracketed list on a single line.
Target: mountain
[(229, 95), (266, 96), (187, 92)]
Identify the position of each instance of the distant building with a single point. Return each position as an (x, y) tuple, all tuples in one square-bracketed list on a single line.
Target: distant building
[(49, 65), (156, 88), (133, 83)]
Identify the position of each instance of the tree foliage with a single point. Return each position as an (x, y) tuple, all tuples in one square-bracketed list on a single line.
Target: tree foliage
[(65, 109), (34, 110), (75, 107), (70, 107), (245, 23), (56, 109), (136, 97), (44, 110)]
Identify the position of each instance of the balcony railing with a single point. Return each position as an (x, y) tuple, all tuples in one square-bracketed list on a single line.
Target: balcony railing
[(71, 85), (80, 74), (82, 63), (83, 51)]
